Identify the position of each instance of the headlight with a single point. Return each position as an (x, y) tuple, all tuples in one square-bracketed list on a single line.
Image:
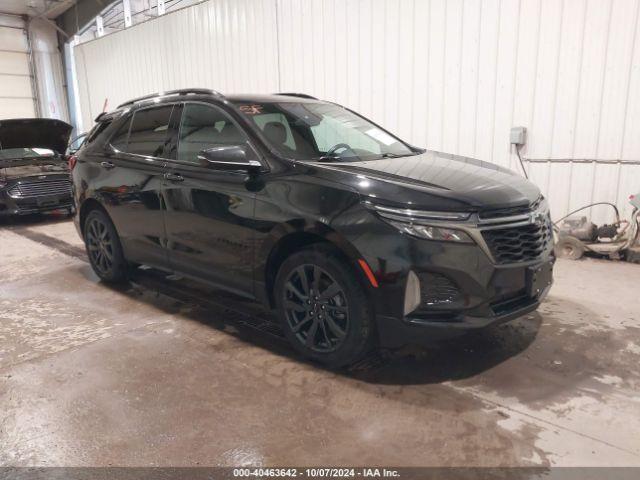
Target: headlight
[(433, 233), (416, 223), (404, 213)]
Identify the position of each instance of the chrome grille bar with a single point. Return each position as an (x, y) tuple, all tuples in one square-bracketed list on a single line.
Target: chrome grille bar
[(41, 189)]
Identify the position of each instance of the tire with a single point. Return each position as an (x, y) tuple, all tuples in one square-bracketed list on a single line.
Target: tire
[(335, 330), (569, 247), (104, 249)]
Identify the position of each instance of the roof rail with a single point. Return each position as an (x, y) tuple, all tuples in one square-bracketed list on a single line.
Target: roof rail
[(182, 91), (292, 94)]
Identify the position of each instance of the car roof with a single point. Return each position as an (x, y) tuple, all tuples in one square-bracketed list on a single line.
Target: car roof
[(270, 98), (198, 93)]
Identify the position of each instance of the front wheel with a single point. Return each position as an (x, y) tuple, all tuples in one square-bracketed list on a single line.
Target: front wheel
[(323, 308), (104, 248)]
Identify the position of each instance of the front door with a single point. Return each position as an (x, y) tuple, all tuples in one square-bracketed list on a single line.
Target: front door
[(209, 213)]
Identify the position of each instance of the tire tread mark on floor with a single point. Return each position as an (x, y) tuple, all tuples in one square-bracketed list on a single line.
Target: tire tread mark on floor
[(53, 242)]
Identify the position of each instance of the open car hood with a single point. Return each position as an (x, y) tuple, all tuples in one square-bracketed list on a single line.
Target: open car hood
[(35, 133)]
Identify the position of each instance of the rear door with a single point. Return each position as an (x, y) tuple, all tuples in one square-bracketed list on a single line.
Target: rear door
[(209, 213), (132, 179)]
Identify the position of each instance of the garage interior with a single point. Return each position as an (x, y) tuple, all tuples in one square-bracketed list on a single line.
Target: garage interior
[(166, 372)]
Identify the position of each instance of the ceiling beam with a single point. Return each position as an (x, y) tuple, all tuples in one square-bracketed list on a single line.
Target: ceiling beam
[(80, 14)]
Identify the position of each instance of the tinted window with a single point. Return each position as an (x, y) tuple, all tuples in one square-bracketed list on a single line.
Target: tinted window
[(203, 127), (119, 140), (149, 129)]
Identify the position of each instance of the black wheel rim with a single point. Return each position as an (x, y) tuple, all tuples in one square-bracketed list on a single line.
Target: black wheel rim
[(100, 246), (316, 308)]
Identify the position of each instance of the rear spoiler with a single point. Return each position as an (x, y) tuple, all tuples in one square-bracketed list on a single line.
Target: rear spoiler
[(110, 116)]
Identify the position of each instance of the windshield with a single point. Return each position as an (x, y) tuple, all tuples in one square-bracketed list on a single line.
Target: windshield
[(15, 153), (321, 131)]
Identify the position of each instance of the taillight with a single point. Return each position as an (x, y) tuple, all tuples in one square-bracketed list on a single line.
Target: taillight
[(72, 161)]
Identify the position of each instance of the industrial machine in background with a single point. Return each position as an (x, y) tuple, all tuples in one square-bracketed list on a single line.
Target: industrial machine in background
[(577, 235)]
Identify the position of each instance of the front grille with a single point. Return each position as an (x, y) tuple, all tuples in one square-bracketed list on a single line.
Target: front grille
[(498, 213), (45, 188), (519, 244), (438, 290)]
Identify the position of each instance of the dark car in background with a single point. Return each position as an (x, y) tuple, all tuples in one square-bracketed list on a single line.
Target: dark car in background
[(353, 236), (34, 172)]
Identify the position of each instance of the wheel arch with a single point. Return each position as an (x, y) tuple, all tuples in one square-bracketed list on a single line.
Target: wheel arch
[(87, 206), (289, 238)]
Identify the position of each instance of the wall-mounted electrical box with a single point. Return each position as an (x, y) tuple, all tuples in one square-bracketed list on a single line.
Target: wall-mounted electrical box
[(518, 135)]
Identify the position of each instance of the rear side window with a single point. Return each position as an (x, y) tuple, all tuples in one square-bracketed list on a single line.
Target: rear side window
[(148, 134), (204, 127), (119, 140)]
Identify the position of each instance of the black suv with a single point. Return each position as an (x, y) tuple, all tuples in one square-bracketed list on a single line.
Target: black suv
[(355, 237)]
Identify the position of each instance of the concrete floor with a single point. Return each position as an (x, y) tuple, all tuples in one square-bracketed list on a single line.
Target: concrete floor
[(166, 373)]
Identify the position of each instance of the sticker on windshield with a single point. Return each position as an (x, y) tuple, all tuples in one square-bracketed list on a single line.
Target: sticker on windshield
[(381, 136), (251, 109)]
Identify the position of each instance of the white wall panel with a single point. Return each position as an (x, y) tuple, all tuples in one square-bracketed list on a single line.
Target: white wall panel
[(450, 75), (228, 45), (49, 72), (16, 92)]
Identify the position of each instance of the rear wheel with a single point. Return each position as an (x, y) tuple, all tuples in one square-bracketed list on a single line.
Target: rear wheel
[(323, 309), (103, 248)]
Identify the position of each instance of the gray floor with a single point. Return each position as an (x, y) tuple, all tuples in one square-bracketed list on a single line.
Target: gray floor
[(163, 373)]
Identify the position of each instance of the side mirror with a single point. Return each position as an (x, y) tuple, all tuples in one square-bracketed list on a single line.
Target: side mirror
[(229, 157)]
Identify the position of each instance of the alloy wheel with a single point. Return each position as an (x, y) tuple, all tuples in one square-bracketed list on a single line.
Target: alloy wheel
[(316, 308), (100, 245)]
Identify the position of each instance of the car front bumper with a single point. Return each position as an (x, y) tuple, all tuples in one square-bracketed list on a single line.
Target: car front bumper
[(462, 288), (394, 332), (10, 206)]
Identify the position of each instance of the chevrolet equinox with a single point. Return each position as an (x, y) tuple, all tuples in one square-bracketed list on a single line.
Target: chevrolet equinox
[(353, 236)]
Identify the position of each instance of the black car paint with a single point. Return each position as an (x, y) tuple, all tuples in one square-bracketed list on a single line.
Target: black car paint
[(43, 133), (231, 228)]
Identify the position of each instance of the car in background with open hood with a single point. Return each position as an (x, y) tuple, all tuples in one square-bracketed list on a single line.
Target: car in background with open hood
[(34, 173)]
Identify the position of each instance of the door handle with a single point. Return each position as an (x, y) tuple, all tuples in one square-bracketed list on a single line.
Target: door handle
[(107, 165), (173, 177)]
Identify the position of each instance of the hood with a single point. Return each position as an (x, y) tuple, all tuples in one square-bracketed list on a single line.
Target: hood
[(35, 133), (437, 180)]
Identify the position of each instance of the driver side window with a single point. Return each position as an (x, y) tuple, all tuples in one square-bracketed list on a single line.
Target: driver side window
[(203, 127)]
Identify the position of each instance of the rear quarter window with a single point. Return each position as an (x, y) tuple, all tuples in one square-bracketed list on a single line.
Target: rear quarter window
[(95, 132), (120, 138)]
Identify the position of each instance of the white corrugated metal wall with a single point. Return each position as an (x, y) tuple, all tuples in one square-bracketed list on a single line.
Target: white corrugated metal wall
[(450, 75)]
